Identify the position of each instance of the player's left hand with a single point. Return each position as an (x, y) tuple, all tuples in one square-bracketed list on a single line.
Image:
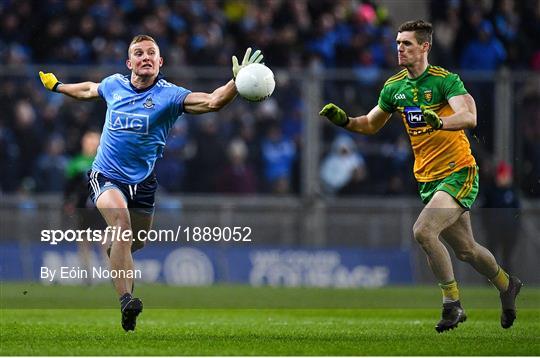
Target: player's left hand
[(431, 118), (49, 80), (257, 57)]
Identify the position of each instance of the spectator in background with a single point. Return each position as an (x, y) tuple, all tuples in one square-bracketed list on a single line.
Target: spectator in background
[(209, 155), (50, 166), (366, 70), (507, 25), (246, 132), (501, 215), (471, 16), (399, 157), (9, 160), (28, 136), (278, 154), (485, 52), (171, 169), (530, 28), (506, 21), (76, 200), (324, 40), (445, 33), (530, 127), (292, 119), (237, 176), (76, 190), (343, 166), (267, 114)]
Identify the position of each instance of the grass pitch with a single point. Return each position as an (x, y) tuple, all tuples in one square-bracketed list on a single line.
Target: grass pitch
[(240, 320)]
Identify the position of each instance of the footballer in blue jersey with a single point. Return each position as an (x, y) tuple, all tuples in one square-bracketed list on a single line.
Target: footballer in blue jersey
[(141, 109), (136, 126)]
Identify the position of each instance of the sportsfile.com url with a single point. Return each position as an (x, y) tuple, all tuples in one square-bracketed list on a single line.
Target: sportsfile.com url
[(188, 234)]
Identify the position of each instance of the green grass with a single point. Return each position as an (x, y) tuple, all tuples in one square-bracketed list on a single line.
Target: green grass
[(240, 320)]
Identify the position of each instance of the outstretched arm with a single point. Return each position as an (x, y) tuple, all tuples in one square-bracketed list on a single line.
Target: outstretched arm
[(370, 123), (82, 91), (200, 102)]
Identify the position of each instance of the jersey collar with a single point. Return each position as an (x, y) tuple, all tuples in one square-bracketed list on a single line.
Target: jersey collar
[(424, 74), (137, 90)]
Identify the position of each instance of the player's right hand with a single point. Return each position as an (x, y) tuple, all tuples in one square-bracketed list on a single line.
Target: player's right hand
[(335, 114), (49, 80), (431, 118), (257, 57)]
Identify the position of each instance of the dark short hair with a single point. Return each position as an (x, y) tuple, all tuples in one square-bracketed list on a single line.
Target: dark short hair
[(423, 31)]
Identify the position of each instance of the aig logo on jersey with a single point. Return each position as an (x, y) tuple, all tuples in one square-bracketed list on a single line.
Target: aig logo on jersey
[(129, 122), (414, 117)]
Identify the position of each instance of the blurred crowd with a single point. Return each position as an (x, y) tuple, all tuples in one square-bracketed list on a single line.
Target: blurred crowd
[(244, 148), (340, 33)]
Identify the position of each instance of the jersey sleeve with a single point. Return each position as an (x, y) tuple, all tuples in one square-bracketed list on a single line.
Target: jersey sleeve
[(453, 86), (104, 88), (179, 95), (385, 100)]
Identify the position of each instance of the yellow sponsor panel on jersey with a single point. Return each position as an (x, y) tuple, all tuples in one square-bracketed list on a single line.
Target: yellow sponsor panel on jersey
[(438, 153)]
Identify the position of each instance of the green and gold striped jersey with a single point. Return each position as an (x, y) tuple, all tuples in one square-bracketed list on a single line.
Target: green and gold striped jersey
[(437, 153)]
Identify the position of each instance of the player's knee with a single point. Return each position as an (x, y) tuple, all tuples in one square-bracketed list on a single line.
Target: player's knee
[(422, 232), (465, 254), (122, 245), (122, 222)]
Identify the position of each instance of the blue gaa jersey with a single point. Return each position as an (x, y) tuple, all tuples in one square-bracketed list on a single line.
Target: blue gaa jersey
[(136, 126)]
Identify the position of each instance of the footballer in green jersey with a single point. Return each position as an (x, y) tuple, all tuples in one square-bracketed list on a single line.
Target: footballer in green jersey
[(436, 109)]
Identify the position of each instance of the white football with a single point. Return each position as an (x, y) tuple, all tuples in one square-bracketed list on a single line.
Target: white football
[(255, 82)]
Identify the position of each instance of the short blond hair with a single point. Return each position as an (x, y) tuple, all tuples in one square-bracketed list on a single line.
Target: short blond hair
[(141, 38)]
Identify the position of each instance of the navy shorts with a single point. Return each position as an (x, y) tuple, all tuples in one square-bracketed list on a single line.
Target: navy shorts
[(138, 196)]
